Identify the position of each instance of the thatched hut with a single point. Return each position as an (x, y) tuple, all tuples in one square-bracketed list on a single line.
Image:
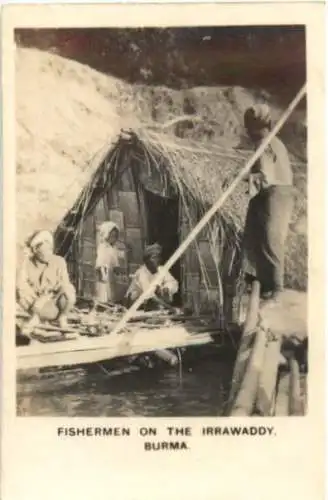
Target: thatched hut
[(156, 188), (74, 168)]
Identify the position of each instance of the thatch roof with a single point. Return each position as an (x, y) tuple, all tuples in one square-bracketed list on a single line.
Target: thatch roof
[(69, 116)]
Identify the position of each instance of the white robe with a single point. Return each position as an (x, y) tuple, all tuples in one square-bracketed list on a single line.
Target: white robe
[(108, 259), (142, 280)]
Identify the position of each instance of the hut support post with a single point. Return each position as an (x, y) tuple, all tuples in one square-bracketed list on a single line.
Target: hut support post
[(282, 398), (295, 400), (268, 379), (245, 400), (247, 340), (211, 212)]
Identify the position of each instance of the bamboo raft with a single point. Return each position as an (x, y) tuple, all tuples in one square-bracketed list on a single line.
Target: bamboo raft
[(88, 338), (257, 368), (267, 378)]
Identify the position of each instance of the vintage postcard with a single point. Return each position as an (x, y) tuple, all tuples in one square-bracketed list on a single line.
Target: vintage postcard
[(163, 195)]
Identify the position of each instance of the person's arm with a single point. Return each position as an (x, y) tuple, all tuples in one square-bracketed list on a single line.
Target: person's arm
[(134, 290), (170, 286), (64, 281), (25, 293), (102, 263)]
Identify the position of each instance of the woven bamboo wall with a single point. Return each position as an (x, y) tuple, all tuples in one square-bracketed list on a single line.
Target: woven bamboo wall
[(123, 204), (120, 205)]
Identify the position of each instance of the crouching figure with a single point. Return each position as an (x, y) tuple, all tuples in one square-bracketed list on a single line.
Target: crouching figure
[(43, 286), (165, 291)]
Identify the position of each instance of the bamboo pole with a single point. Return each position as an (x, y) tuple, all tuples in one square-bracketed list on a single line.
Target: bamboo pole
[(295, 400), (211, 212), (282, 397), (268, 378), (244, 402), (247, 340)]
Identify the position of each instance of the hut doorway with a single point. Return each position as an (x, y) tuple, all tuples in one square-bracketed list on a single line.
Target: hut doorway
[(163, 228)]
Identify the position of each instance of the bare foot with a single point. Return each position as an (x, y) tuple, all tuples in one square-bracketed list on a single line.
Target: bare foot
[(62, 321), (30, 325), (272, 301)]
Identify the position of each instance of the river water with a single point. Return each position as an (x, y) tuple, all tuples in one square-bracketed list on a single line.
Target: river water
[(197, 388)]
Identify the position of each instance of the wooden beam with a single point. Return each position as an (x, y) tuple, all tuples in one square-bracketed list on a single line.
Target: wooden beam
[(282, 398), (90, 350), (245, 399), (295, 399), (246, 342), (268, 378)]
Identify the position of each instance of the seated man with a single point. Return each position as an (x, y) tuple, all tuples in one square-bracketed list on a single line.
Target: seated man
[(43, 287), (164, 293)]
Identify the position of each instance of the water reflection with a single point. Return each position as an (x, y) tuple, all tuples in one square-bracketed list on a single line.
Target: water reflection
[(160, 392)]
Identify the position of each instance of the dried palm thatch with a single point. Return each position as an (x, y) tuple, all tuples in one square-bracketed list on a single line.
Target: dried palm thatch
[(69, 119), (187, 170)]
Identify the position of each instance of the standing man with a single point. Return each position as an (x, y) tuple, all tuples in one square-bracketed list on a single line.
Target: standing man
[(270, 208), (43, 287)]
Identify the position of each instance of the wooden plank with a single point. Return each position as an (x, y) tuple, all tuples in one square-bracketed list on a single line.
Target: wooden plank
[(206, 254), (192, 301), (130, 207), (101, 211), (245, 398), (126, 182), (89, 350), (113, 201), (209, 300), (142, 211), (295, 399), (268, 378), (189, 260), (192, 282), (282, 399), (89, 252), (192, 260), (88, 289), (87, 258), (247, 341), (88, 228), (88, 270), (135, 245), (117, 216)]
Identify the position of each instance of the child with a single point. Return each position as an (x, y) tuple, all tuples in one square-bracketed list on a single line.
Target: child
[(107, 262)]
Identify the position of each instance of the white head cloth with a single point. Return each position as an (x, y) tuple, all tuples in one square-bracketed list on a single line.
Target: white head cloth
[(106, 228), (40, 237)]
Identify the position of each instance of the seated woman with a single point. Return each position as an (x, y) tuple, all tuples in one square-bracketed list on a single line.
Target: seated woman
[(107, 262), (164, 292), (43, 286)]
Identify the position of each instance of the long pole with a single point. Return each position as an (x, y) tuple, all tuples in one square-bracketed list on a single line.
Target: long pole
[(207, 217)]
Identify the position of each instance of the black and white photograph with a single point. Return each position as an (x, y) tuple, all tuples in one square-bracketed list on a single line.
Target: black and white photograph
[(161, 221)]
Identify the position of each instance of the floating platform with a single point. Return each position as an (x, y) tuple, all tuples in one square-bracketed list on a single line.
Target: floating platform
[(138, 340), (269, 375)]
